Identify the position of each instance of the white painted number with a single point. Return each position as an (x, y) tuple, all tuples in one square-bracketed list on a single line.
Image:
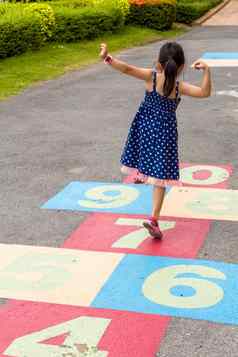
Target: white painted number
[(134, 239), (158, 285), (37, 271), (84, 334), (109, 196), (217, 175)]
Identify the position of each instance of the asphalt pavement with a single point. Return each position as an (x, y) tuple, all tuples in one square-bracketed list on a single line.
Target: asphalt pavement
[(73, 128)]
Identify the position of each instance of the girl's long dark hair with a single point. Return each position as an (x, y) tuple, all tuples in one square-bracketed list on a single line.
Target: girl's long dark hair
[(171, 58)]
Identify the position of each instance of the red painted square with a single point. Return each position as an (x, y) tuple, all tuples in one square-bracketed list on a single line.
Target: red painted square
[(128, 334), (200, 175), (99, 232)]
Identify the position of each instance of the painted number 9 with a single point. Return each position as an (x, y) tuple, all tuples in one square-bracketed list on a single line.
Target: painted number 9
[(109, 196), (169, 287)]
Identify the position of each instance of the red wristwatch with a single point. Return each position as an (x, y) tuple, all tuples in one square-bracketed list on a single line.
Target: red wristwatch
[(108, 59)]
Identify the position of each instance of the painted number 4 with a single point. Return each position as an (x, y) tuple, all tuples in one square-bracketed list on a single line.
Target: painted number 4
[(83, 336)]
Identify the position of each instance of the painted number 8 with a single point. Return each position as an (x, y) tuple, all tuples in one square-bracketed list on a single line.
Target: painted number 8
[(109, 196), (162, 286)]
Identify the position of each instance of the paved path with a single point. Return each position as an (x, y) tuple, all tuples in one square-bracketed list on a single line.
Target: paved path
[(228, 16), (73, 129)]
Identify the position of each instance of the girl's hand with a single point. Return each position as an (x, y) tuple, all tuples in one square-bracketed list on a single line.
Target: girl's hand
[(200, 65), (103, 50)]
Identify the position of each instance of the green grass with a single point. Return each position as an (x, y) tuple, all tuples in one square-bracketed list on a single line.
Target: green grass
[(18, 73)]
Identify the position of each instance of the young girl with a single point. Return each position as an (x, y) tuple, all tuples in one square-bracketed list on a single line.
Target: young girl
[(152, 144)]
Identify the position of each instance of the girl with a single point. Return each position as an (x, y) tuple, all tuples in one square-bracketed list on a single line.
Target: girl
[(152, 144)]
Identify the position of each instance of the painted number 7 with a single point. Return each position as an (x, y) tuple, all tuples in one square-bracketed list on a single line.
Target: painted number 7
[(135, 238)]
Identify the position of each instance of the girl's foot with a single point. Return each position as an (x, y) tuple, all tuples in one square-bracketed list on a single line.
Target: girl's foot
[(152, 226), (138, 181), (139, 178)]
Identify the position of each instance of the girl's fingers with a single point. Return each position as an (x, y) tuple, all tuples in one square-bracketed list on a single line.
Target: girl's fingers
[(103, 50), (199, 65)]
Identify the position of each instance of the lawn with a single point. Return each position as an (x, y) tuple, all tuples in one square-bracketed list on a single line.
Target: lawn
[(18, 73)]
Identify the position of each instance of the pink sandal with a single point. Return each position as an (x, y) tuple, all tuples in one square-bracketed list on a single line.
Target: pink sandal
[(153, 228), (139, 178)]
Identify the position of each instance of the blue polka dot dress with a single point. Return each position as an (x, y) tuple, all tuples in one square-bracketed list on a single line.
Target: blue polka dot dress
[(152, 144)]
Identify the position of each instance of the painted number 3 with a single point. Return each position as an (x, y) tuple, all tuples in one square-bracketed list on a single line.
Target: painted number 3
[(172, 287)]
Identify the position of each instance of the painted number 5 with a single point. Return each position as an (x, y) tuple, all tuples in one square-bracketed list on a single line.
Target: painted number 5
[(170, 287), (109, 196)]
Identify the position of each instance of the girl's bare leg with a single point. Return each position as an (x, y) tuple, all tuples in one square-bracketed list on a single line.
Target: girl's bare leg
[(158, 199), (152, 224)]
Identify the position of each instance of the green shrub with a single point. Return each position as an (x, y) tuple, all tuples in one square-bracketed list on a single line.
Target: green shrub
[(122, 5), (6, 7), (25, 1), (19, 31), (72, 4), (189, 11), (158, 15), (46, 16), (85, 23)]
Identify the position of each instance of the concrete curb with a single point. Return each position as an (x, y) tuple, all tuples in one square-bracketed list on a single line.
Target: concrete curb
[(210, 13)]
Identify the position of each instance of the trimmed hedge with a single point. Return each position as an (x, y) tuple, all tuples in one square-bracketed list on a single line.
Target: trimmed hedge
[(86, 23), (19, 31), (156, 14), (28, 26), (189, 10), (122, 5), (19, 34), (46, 16)]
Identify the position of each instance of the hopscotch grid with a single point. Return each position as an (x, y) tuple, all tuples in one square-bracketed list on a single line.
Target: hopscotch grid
[(182, 219)]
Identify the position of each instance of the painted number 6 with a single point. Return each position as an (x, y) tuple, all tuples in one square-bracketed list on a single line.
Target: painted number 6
[(109, 196), (162, 285)]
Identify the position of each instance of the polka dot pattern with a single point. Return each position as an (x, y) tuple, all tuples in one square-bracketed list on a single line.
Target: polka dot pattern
[(152, 143)]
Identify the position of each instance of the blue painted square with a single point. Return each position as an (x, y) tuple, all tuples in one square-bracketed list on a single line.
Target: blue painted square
[(221, 55), (196, 289), (103, 197)]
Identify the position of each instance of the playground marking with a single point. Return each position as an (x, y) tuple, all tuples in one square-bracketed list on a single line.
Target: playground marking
[(199, 175), (84, 334), (38, 327), (229, 93), (221, 59), (125, 234), (196, 289), (54, 275), (191, 202), (113, 198), (103, 197), (214, 204), (205, 175)]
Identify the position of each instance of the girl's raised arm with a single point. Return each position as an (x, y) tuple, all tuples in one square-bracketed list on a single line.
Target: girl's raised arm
[(137, 72), (205, 89)]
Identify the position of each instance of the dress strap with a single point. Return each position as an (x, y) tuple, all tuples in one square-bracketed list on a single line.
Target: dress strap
[(154, 79)]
